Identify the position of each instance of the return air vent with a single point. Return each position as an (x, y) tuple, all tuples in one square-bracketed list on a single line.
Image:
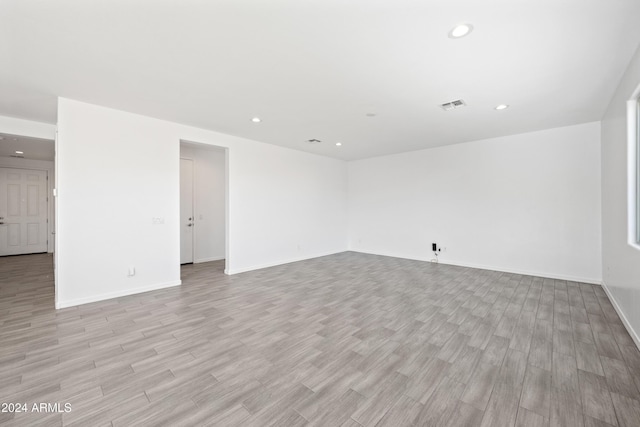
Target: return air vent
[(314, 141), (453, 105)]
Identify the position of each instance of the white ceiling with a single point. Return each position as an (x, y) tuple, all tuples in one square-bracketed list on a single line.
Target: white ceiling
[(315, 68), (33, 148)]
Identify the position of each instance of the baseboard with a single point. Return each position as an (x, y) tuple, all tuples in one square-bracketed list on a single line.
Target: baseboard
[(634, 336), (570, 278), (494, 268), (274, 264), (201, 260), (111, 295)]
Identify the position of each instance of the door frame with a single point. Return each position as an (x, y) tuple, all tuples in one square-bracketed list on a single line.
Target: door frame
[(204, 145), (193, 208), (43, 166)]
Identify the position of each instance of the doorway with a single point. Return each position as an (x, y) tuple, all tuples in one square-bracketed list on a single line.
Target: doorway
[(186, 211), (27, 217), (203, 203), (27, 235)]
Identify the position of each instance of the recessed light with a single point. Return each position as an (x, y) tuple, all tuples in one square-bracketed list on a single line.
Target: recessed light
[(460, 30), (371, 114), (19, 152), (502, 107), (256, 120), (339, 144)]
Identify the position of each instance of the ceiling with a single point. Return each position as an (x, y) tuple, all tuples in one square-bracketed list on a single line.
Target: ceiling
[(32, 148), (316, 68)]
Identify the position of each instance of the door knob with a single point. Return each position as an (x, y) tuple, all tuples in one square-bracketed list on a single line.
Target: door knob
[(188, 225)]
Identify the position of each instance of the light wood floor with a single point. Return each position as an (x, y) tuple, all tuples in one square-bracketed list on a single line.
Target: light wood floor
[(344, 340)]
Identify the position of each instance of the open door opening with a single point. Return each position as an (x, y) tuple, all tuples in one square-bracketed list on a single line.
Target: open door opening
[(27, 214), (203, 210)]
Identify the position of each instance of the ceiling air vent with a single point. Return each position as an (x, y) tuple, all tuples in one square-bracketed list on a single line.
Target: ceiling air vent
[(453, 105), (314, 141)]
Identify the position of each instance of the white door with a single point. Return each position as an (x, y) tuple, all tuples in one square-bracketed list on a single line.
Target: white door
[(23, 211), (186, 211)]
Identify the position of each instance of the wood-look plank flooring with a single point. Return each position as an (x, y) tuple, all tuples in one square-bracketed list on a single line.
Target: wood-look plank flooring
[(343, 340)]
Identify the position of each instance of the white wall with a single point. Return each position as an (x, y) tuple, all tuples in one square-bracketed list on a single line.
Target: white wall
[(526, 203), (116, 171), (285, 205), (621, 262), (209, 202)]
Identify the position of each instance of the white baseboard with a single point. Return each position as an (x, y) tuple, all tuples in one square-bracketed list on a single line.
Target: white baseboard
[(570, 278), (494, 268), (273, 264), (201, 260), (117, 294), (625, 321)]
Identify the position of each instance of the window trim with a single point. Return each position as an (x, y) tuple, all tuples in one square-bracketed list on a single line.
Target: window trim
[(633, 168)]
